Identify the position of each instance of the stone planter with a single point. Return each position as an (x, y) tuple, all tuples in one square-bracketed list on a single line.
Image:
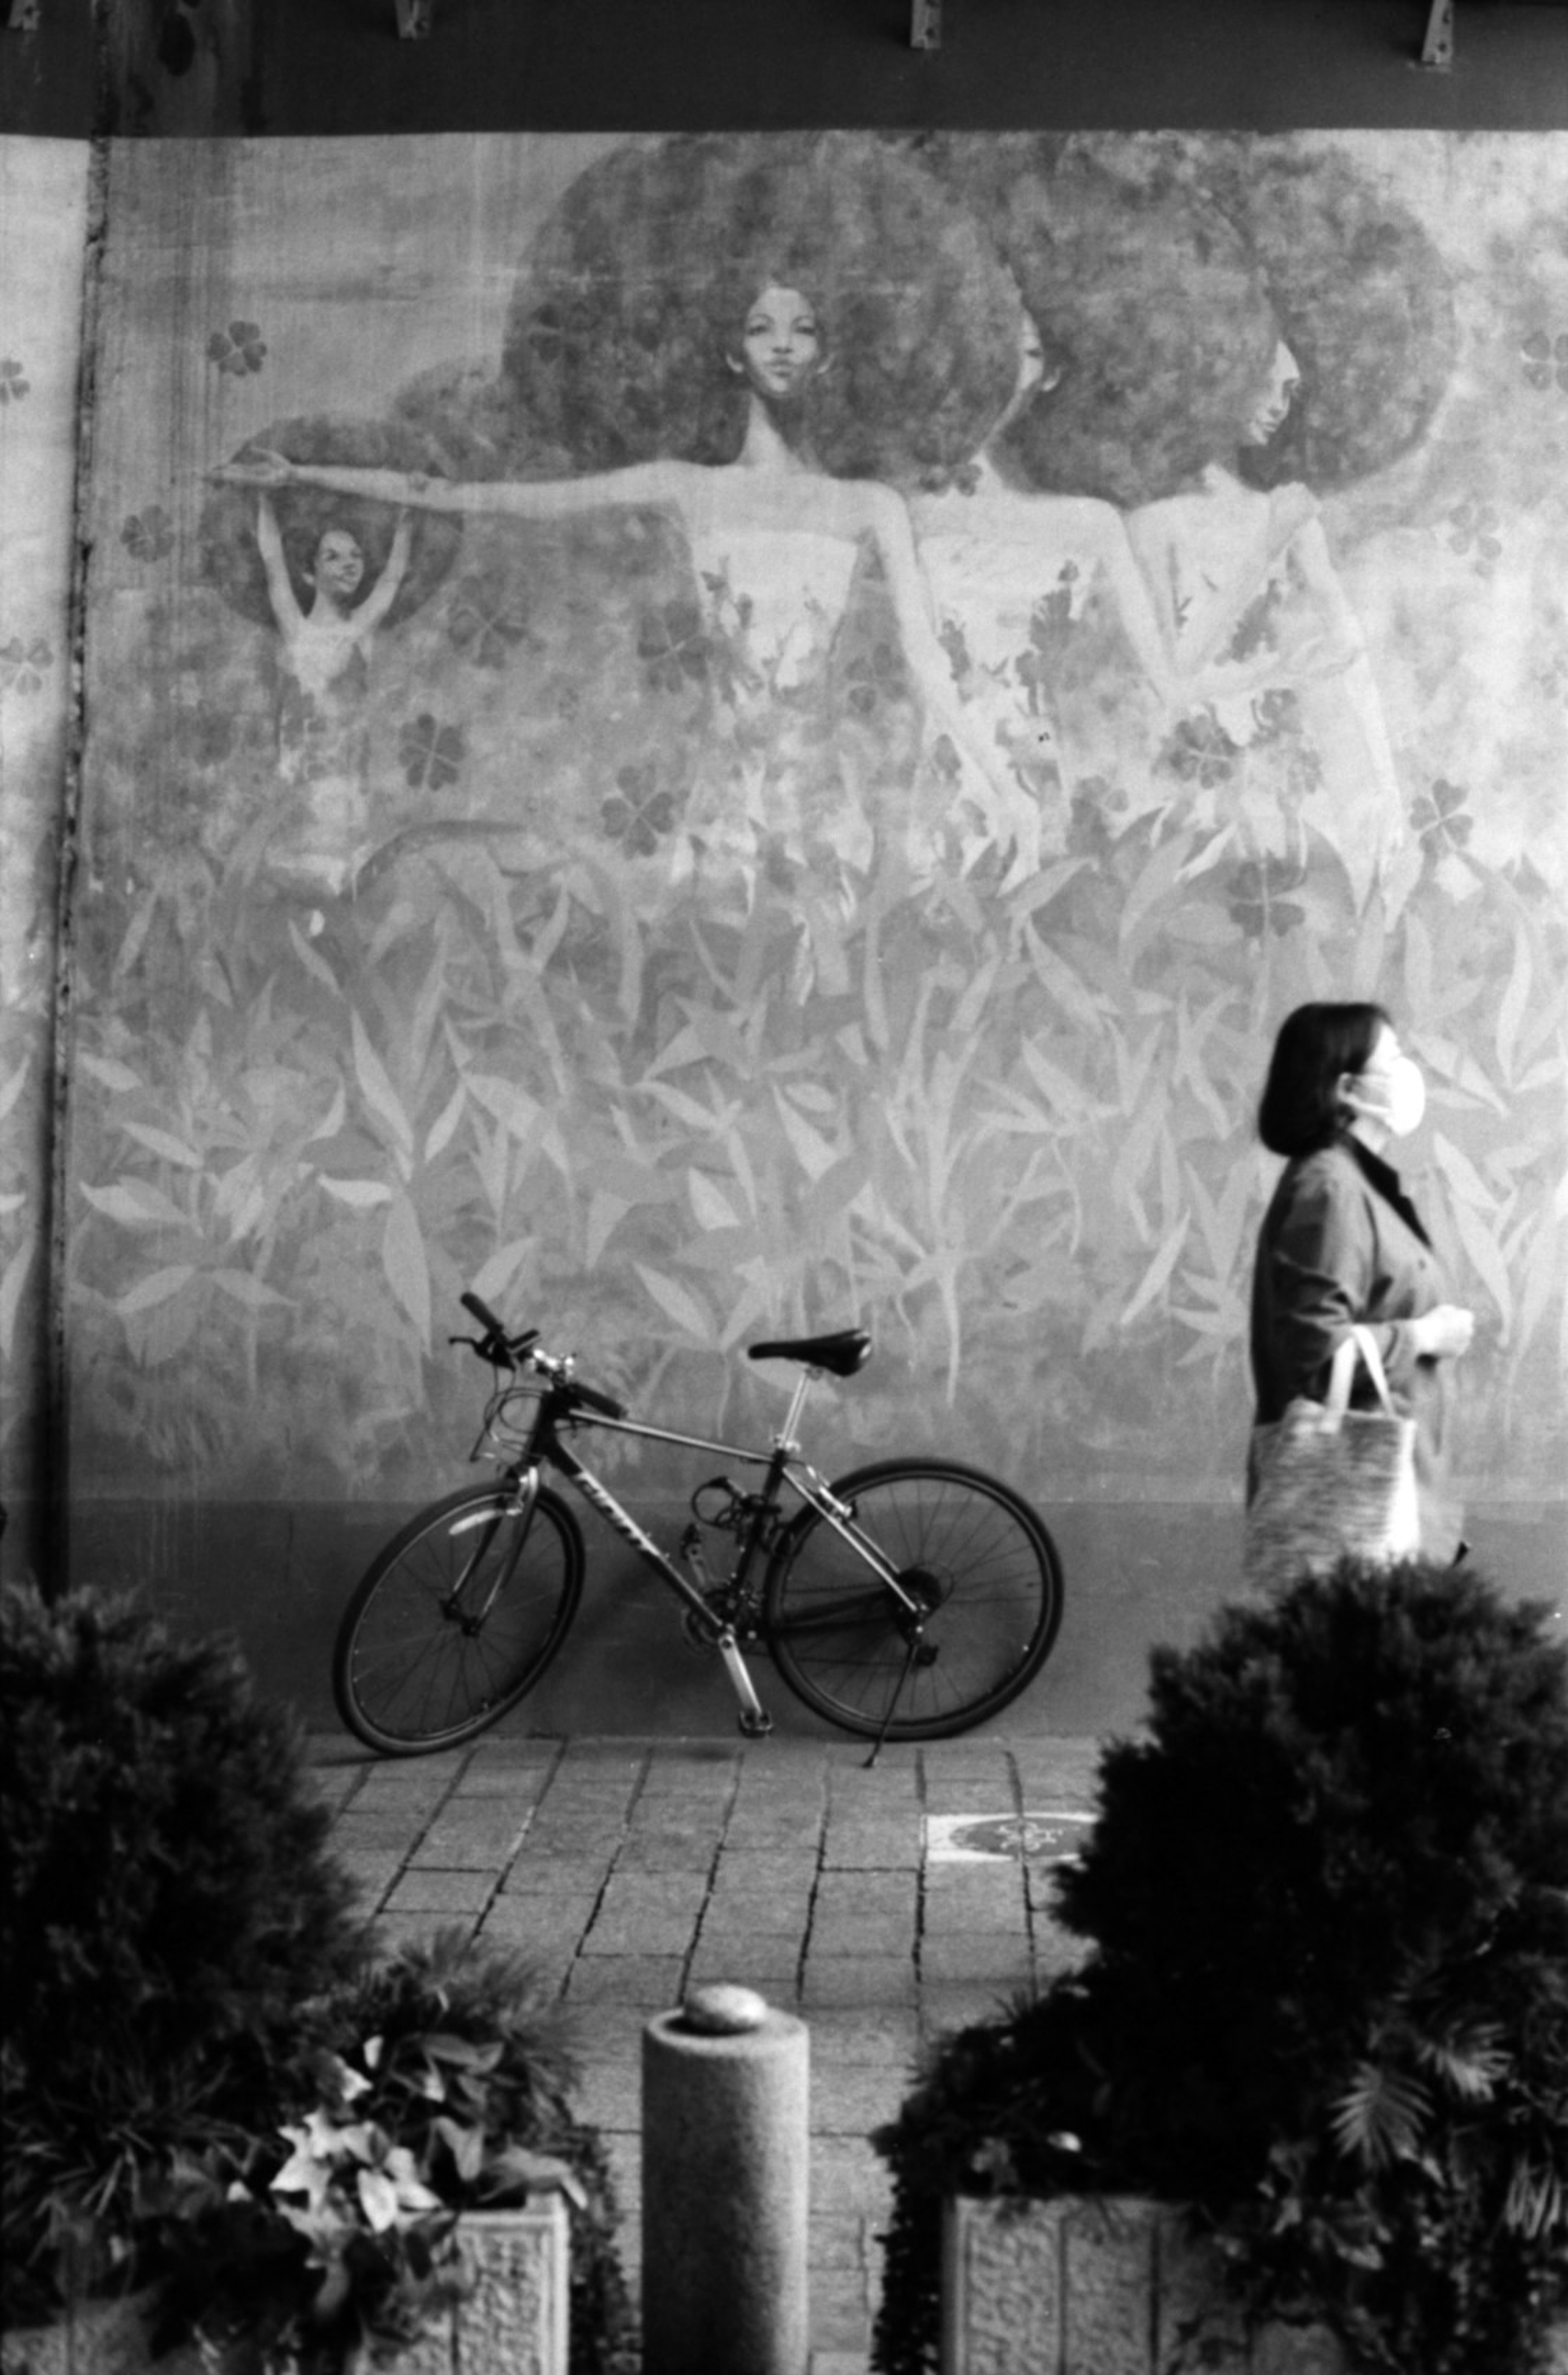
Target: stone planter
[(1109, 2284), (514, 2321)]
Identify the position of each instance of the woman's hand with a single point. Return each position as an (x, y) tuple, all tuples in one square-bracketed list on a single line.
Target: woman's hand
[(1444, 1332), (260, 468)]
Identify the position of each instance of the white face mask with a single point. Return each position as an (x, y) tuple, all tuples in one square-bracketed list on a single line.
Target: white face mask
[(1395, 1098)]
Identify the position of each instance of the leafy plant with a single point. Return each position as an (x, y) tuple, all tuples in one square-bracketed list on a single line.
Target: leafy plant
[(168, 1901), (1327, 1998), (434, 2082)]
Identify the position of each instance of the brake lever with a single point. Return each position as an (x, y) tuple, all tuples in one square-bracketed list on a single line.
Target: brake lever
[(494, 1349)]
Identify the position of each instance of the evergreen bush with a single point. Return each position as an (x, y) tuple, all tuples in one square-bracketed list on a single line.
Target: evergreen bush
[(166, 1903), (1326, 2000)]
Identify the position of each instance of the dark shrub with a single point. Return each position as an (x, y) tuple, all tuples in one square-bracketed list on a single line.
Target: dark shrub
[(168, 1902), (1326, 2001)]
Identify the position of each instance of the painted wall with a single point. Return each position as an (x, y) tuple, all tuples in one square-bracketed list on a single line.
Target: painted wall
[(43, 187), (714, 900)]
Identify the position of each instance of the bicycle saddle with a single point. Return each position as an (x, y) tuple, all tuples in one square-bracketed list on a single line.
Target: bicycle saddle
[(841, 1355)]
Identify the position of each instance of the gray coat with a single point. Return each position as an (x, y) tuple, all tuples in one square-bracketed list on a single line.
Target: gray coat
[(1341, 1245)]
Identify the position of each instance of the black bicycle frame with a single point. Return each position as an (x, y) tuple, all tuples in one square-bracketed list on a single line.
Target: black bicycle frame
[(544, 1447)]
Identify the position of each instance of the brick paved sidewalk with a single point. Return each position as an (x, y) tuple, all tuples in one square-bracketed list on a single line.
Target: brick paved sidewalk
[(630, 1869)]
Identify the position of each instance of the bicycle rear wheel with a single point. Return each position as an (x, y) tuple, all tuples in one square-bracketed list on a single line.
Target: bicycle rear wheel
[(456, 1618), (974, 1556)]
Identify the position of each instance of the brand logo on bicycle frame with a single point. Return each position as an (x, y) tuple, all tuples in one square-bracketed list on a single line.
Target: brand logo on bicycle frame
[(592, 1490)]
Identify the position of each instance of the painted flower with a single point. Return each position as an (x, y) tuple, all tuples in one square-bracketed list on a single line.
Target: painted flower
[(1439, 820), (1545, 358), (639, 814), (1257, 896), (24, 666), (872, 678), (13, 381), (431, 755), (1474, 527), (488, 617), (1201, 752), (673, 645), (238, 350), (147, 535)]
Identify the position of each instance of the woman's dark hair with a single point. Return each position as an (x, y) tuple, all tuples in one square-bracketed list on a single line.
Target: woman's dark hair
[(1316, 1046)]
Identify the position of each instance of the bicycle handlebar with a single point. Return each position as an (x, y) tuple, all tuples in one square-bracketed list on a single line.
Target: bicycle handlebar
[(506, 1351)]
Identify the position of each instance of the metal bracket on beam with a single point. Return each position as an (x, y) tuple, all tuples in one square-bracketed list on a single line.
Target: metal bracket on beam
[(414, 18), (22, 17), (1437, 50), (925, 25)]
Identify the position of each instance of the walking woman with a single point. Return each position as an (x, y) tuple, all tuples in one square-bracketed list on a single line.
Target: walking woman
[(1342, 1244)]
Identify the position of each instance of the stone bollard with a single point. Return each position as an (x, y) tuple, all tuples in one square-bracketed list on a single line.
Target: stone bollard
[(725, 2151)]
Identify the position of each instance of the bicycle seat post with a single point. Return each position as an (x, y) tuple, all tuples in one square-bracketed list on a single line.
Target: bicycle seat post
[(786, 1438)]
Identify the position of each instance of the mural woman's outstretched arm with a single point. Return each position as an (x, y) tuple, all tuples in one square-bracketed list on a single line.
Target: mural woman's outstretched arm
[(542, 499)]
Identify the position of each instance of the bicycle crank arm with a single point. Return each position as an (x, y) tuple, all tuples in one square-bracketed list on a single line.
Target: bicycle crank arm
[(755, 1720)]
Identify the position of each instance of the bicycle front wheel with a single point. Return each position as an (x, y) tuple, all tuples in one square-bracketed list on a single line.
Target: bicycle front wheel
[(973, 1557), (456, 1618)]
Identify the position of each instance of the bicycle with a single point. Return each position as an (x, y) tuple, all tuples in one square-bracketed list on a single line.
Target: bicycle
[(908, 1600)]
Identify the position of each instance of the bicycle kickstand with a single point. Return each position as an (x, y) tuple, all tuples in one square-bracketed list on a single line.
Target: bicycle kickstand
[(910, 1656)]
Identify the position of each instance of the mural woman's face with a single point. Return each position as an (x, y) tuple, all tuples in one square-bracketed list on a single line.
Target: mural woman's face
[(782, 346), (340, 565), (1274, 398)]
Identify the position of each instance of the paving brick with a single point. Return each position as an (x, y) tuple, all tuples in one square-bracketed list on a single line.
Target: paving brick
[(466, 1848), (852, 2102), (841, 1931), (396, 1782), (380, 1826), (972, 1797), (770, 1965), (846, 2175), (865, 1892), (979, 1894), (984, 1957), (847, 2040), (372, 1875), (394, 1930), (538, 1929), (609, 2095), (849, 1980), (639, 1931), (650, 1982), (953, 2003), (441, 1892), (874, 1851)]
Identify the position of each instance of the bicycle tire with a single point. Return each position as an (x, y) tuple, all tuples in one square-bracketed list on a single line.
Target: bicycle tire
[(408, 1673), (984, 1566)]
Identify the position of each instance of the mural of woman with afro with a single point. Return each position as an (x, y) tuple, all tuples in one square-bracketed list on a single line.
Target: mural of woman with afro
[(756, 337), (1232, 350), (1041, 599)]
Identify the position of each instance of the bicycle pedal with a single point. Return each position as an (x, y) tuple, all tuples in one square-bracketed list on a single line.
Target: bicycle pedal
[(755, 1727)]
